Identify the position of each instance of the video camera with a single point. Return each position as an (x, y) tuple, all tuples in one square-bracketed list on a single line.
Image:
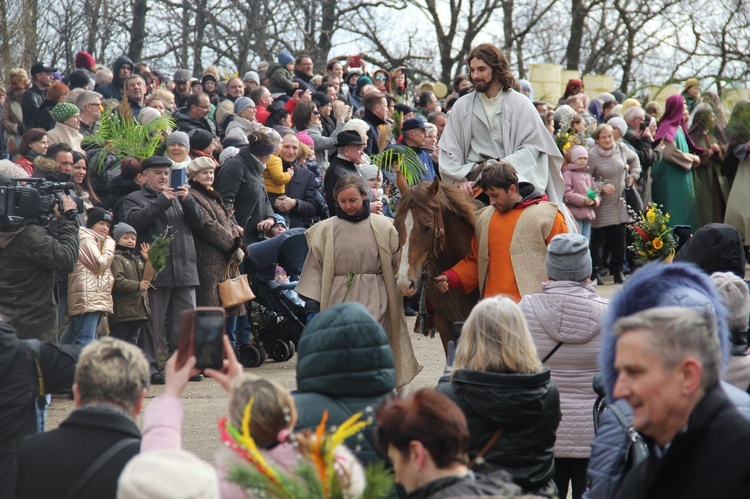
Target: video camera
[(33, 201)]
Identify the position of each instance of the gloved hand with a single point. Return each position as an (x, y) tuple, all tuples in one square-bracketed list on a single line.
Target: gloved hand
[(237, 256)]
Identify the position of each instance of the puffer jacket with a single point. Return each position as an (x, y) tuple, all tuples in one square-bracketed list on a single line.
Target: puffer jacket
[(280, 79), (128, 305), (578, 181), (345, 365), (570, 313), (525, 406), (90, 284)]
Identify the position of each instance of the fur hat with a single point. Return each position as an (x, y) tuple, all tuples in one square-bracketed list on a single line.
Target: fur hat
[(568, 258), (198, 165), (578, 152), (63, 111), (180, 138), (120, 229), (85, 60), (95, 215), (285, 58), (659, 285), (736, 296), (177, 474)]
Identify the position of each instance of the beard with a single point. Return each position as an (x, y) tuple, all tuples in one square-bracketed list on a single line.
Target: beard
[(481, 86)]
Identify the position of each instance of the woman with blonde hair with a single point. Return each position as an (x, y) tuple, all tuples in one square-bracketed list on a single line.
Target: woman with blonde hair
[(511, 404), (12, 115)]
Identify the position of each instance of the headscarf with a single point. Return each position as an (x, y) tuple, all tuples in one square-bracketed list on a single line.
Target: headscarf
[(712, 98), (526, 85), (738, 127), (671, 120), (703, 122)]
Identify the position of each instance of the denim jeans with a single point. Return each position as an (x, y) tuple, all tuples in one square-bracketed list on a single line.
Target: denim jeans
[(584, 227), (81, 329)]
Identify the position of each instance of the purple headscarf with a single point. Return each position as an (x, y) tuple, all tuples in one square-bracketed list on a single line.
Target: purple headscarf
[(672, 119)]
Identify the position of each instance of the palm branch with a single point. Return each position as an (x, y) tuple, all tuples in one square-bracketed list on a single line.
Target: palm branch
[(405, 159)]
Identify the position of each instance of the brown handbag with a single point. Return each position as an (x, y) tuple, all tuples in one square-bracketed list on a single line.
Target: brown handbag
[(234, 291)]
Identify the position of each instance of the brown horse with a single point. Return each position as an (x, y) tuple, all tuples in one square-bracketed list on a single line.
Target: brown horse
[(424, 214)]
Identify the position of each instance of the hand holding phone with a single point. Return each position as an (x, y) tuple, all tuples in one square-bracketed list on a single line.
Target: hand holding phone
[(202, 336), (176, 178)]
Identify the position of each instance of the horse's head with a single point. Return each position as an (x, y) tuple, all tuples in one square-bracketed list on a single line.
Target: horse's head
[(420, 229)]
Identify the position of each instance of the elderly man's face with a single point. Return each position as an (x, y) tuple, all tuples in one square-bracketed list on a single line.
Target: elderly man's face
[(652, 390)]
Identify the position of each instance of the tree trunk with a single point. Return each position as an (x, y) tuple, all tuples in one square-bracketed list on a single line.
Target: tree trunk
[(327, 23), (30, 37), (182, 59), (137, 30), (5, 55), (627, 65), (200, 31), (508, 29), (579, 10)]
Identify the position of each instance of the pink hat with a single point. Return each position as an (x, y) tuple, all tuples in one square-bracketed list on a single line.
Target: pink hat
[(578, 152), (305, 139)]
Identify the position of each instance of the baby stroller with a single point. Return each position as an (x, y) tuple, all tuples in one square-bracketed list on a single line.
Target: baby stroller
[(276, 321)]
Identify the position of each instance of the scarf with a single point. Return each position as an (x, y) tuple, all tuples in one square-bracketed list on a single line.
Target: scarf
[(672, 119), (125, 249), (363, 214)]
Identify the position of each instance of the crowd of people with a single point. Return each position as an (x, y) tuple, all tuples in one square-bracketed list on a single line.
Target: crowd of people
[(83, 307)]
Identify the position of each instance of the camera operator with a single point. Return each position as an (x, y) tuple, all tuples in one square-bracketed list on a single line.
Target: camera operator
[(29, 257)]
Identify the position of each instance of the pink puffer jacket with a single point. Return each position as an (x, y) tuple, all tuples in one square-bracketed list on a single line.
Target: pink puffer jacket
[(570, 313), (578, 181)]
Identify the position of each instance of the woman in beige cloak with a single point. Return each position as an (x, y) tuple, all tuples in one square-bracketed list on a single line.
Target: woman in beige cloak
[(353, 257)]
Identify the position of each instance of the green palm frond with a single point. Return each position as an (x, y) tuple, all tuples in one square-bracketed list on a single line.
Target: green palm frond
[(404, 158), (126, 138)]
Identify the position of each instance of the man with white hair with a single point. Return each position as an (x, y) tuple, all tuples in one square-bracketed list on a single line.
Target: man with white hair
[(640, 138), (89, 104), (85, 455), (669, 362)]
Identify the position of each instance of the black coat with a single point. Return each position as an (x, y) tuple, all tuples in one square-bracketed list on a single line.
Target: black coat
[(372, 133), (50, 463), (525, 406), (706, 460), (186, 123), (497, 485), (302, 188), (240, 184), (19, 386), (338, 168), (30, 102), (151, 213)]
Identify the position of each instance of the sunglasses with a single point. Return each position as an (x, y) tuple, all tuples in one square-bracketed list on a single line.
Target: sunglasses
[(316, 113), (380, 78)]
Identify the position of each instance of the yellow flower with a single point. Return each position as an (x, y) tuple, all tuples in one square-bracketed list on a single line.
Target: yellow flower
[(667, 217), (651, 216), (657, 243)]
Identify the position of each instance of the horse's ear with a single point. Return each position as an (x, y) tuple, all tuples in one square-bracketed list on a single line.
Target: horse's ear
[(401, 183), (435, 186)]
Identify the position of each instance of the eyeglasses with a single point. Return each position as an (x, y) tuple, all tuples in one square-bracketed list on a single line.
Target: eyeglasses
[(380, 78), (207, 108)]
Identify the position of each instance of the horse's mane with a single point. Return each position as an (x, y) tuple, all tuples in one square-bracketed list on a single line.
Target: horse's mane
[(448, 197)]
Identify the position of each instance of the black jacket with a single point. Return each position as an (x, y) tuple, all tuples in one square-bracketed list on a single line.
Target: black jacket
[(302, 188), (344, 366), (64, 454), (340, 167), (715, 248), (498, 485), (706, 460), (372, 133), (30, 102), (241, 186), (186, 123), (151, 213), (119, 188), (19, 388), (114, 90), (525, 406)]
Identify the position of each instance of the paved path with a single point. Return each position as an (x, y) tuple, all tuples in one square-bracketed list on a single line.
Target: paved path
[(205, 402)]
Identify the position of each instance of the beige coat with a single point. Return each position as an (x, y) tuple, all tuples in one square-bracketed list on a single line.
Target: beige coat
[(67, 135), (386, 305), (90, 284)]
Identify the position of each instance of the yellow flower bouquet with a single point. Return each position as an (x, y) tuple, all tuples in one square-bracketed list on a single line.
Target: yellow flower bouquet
[(652, 235)]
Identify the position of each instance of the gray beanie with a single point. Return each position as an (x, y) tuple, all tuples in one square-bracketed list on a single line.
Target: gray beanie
[(734, 292), (568, 258), (180, 138), (121, 229), (251, 76), (241, 103)]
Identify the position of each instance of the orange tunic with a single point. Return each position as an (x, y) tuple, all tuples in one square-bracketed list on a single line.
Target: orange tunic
[(500, 277)]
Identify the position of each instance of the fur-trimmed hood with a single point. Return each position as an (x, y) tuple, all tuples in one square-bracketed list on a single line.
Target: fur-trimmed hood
[(659, 285)]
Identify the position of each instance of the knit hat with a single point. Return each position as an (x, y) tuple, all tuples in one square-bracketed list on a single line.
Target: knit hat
[(568, 258), (200, 139), (148, 115), (177, 474), (84, 60), (120, 229), (63, 111), (362, 81), (285, 58), (251, 76), (734, 291), (369, 171), (228, 153), (620, 124), (305, 138), (241, 104), (78, 79), (578, 152), (180, 138), (691, 82), (277, 220), (208, 76), (96, 214), (321, 98), (198, 165)]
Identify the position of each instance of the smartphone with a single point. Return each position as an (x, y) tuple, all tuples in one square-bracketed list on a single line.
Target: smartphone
[(176, 178), (682, 233), (202, 335), (356, 61), (457, 327)]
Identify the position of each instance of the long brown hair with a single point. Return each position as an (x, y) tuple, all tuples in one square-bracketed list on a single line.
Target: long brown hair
[(495, 59)]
